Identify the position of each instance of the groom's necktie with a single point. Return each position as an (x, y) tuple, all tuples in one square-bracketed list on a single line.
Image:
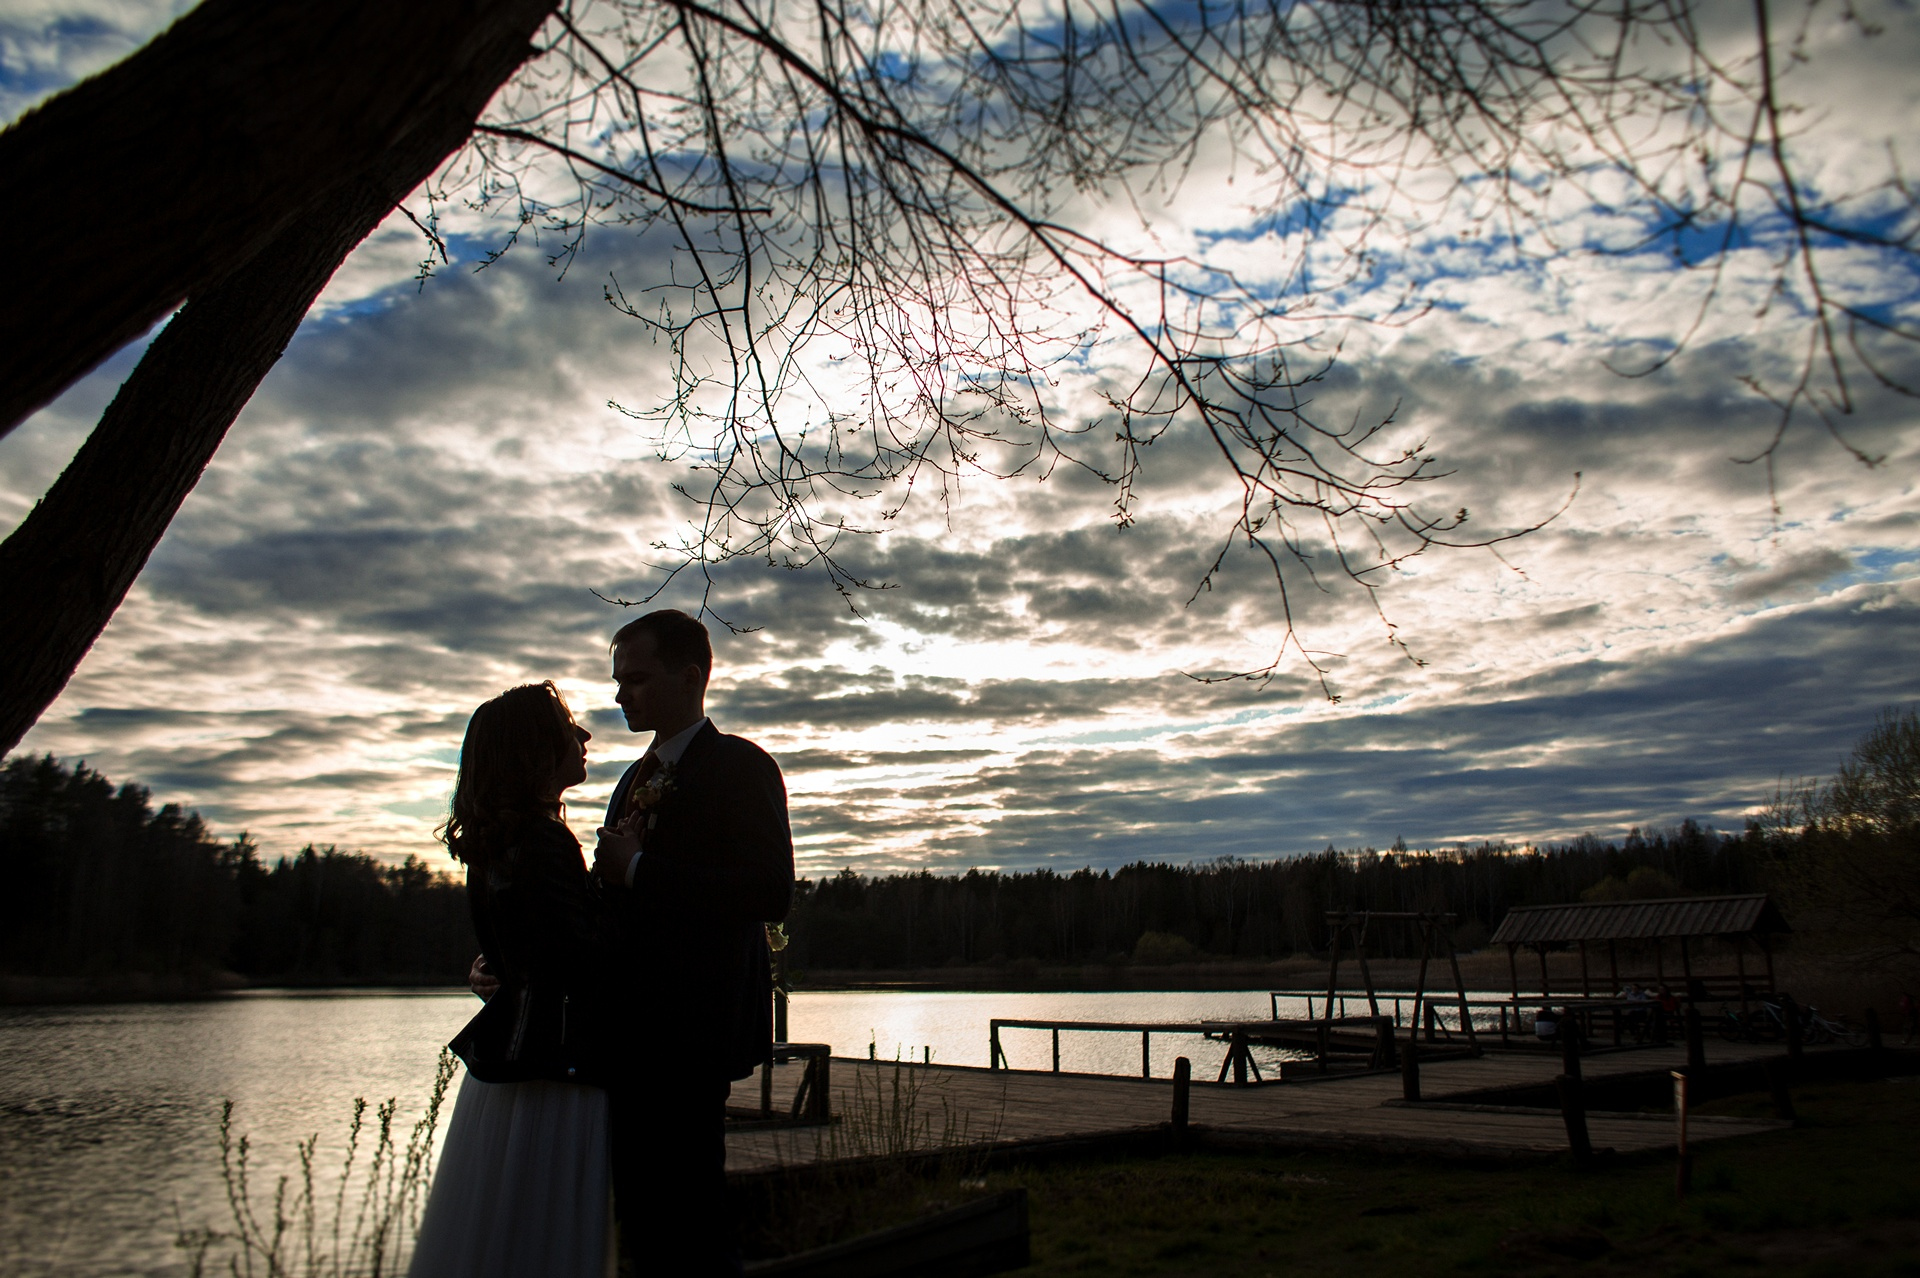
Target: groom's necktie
[(649, 765)]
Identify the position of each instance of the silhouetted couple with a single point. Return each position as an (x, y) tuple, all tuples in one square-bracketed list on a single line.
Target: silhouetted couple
[(622, 1001)]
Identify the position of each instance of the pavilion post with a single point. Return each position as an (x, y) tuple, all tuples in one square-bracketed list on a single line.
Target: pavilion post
[(1546, 982), (1513, 969), (1366, 973), (1740, 965), (1339, 927), (1460, 987), (1686, 965), (1768, 951), (1420, 983), (1586, 984), (1613, 963)]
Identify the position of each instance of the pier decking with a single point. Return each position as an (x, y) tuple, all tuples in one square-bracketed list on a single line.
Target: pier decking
[(1354, 1111)]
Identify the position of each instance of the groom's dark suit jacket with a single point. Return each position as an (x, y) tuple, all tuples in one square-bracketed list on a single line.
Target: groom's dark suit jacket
[(714, 867)]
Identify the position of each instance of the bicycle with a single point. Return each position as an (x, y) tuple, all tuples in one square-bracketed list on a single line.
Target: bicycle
[(1824, 1029), (1767, 1024), (1762, 1025)]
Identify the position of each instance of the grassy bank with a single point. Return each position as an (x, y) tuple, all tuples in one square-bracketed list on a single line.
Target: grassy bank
[(1838, 1195)]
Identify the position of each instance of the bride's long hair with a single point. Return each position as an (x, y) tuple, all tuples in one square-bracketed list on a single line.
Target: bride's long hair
[(511, 767)]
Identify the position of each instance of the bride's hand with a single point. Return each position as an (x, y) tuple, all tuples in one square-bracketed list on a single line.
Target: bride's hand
[(615, 850)]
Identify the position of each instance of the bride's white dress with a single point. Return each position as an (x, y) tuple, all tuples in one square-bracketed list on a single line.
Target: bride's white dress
[(522, 1186)]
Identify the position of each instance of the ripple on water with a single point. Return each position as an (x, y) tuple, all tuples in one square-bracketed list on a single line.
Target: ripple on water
[(109, 1116)]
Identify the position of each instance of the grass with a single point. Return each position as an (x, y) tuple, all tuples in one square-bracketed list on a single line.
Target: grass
[(891, 1110), (1839, 1195), (363, 1229)]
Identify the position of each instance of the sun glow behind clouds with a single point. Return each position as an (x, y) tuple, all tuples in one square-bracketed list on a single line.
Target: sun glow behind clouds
[(414, 510)]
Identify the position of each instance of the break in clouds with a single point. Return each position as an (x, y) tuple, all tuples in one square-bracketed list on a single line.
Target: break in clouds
[(417, 508)]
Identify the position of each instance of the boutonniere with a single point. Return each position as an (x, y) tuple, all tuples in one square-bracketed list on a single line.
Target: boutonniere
[(648, 798)]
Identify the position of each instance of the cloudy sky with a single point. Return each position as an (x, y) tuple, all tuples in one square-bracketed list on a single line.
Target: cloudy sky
[(417, 508)]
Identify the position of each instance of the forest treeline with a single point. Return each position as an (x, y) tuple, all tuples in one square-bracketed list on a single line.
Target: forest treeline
[(101, 885), (1156, 913), (105, 885)]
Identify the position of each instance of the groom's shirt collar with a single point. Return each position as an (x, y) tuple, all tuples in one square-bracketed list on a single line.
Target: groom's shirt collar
[(670, 750)]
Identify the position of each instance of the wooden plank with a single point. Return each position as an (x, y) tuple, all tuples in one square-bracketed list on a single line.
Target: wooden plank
[(1016, 1105)]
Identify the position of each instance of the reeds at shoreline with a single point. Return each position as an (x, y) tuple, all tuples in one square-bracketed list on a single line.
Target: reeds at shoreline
[(364, 1229)]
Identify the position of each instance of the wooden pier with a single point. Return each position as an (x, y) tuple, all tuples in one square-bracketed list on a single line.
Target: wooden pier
[(1002, 1107)]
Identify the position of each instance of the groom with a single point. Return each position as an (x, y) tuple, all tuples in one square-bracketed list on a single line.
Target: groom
[(696, 855)]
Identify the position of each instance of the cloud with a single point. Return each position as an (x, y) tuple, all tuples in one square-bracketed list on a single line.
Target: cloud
[(415, 510), (46, 45), (1797, 574)]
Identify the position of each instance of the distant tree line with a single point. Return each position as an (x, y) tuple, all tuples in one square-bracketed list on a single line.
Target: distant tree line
[(1151, 912), (1842, 856), (99, 884), (1847, 849)]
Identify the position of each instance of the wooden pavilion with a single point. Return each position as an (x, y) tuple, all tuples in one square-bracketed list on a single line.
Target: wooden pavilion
[(1748, 920)]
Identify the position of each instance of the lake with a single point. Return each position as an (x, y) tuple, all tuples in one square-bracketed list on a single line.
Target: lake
[(109, 1114)]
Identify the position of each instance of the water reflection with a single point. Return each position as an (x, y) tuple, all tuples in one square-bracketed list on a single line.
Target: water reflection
[(955, 1027), (109, 1115)]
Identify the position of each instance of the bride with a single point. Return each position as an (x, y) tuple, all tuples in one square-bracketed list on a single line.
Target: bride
[(522, 1185)]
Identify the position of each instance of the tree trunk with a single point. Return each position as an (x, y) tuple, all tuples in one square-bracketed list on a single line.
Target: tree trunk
[(156, 178), (68, 566)]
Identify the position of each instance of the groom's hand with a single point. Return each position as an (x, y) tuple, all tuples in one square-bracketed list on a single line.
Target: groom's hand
[(480, 980)]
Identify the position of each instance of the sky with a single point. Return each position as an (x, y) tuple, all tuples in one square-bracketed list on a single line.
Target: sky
[(418, 508)]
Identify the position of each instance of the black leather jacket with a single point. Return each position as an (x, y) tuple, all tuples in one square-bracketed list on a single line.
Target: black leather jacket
[(540, 926)]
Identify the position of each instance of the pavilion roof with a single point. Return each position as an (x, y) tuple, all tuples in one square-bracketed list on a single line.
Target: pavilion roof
[(1743, 915)]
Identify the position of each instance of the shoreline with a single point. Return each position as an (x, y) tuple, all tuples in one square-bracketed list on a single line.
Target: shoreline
[(1833, 981), (80, 991), (1481, 970), (1010, 978)]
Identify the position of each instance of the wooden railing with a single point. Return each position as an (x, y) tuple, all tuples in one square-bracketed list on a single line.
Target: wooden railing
[(812, 1100), (997, 1058), (1600, 1019), (1366, 1036)]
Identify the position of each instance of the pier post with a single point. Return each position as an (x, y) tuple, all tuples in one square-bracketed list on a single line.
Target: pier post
[(1182, 1083), (1570, 1047), (1696, 1039), (1573, 1112), (1385, 1051), (1778, 1071), (1410, 1069), (1146, 1054), (993, 1045), (1056, 1051), (1683, 1170)]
